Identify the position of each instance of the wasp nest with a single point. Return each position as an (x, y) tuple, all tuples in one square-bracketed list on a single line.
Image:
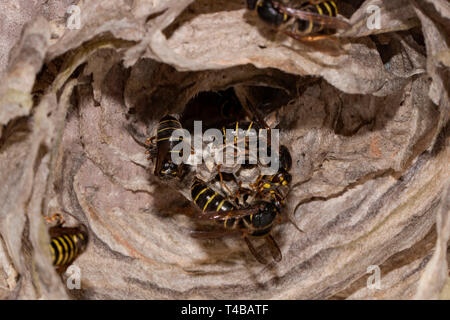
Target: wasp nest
[(365, 116)]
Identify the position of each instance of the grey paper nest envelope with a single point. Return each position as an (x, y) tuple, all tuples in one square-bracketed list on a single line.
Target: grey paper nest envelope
[(365, 117)]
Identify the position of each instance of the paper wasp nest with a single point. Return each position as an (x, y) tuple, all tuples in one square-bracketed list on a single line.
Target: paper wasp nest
[(365, 117)]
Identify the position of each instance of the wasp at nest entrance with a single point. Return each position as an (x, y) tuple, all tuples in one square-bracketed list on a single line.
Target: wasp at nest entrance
[(302, 20), (245, 197), (66, 243)]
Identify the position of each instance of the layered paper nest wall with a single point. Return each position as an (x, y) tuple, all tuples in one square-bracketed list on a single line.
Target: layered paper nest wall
[(365, 117)]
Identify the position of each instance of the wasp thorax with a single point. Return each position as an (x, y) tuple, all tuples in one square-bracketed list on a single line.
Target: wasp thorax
[(169, 170)]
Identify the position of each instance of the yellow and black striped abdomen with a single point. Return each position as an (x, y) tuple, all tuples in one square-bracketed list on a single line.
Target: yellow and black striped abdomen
[(165, 167), (166, 127), (207, 199), (246, 127), (66, 244), (325, 8)]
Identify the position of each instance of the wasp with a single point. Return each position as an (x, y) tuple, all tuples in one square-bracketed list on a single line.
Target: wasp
[(272, 184), (254, 221), (241, 131), (282, 177), (162, 150), (238, 132), (238, 135), (66, 244), (301, 20)]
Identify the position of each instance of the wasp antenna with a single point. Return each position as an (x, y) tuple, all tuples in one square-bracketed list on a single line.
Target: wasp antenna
[(149, 141), (56, 217)]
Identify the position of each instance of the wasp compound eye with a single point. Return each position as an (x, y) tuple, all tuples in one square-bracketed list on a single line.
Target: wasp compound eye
[(269, 14)]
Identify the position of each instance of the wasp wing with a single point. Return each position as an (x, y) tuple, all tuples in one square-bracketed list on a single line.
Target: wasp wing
[(274, 248), (254, 252), (224, 215), (328, 21), (213, 233)]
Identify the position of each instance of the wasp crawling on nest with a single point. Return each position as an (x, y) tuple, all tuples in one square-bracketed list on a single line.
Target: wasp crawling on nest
[(161, 151), (66, 243), (302, 20), (238, 197), (252, 210), (253, 221)]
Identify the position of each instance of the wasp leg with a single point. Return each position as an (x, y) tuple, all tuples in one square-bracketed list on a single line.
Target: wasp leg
[(224, 186), (55, 217), (238, 191), (256, 186), (152, 150), (241, 191), (252, 249), (274, 248), (149, 141)]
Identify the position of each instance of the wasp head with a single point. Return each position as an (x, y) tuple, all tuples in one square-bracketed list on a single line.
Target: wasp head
[(266, 214), (170, 170), (285, 158), (268, 13)]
